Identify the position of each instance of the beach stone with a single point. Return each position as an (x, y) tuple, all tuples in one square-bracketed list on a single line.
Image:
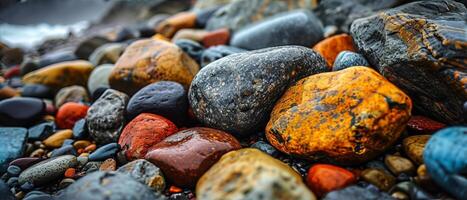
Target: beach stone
[(300, 27), (216, 37), (91, 166), (412, 190), (357, 192), (237, 92), (80, 129), (324, 178), (73, 93), (165, 98), (346, 59), (25, 162), (172, 24), (190, 47), (214, 53), (21, 111), (104, 152), (330, 47), (58, 56), (56, 140), (420, 48), (13, 170), (38, 195), (105, 117), (12, 141), (196, 35), (61, 75), (108, 185), (65, 149), (423, 125), (136, 68), (5, 191), (89, 45), (143, 132), (445, 157), (413, 147), (379, 178), (99, 77), (48, 170), (251, 174), (37, 91), (107, 53), (186, 155), (146, 173), (69, 113), (346, 117), (398, 165), (206, 4), (265, 147), (41, 131)]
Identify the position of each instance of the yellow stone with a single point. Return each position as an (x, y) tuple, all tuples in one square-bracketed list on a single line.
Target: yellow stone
[(81, 144), (56, 140)]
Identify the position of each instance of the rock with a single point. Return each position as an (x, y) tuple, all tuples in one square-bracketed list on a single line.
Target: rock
[(399, 165), (21, 111), (25, 162), (86, 47), (356, 192), (108, 165), (99, 77), (81, 144), (37, 91), (216, 37), (323, 178), (65, 149), (186, 155), (214, 53), (411, 189), (192, 48), (5, 191), (104, 152), (171, 25), (41, 131), (56, 140), (445, 158), (60, 75), (110, 185), (12, 56), (73, 93), (413, 147), (341, 13), (91, 166), (55, 57), (38, 195), (107, 53), (165, 98), (347, 117), (136, 68), (146, 173), (12, 141), (13, 170), (250, 174), (408, 46), (48, 170), (69, 113), (291, 28), (7, 91), (105, 117), (346, 59), (265, 147), (143, 132), (237, 92), (379, 178), (330, 47), (80, 129), (206, 4), (423, 125), (196, 35)]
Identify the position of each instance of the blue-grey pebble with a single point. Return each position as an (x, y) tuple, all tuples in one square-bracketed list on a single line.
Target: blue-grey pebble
[(80, 130), (42, 131), (64, 150), (214, 53), (356, 192), (13, 170), (12, 143), (104, 152), (265, 147), (190, 47), (346, 59)]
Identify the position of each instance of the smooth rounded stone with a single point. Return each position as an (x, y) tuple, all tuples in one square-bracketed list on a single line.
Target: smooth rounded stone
[(5, 192), (214, 53), (105, 118), (186, 155), (61, 75), (445, 157), (48, 170), (55, 57), (56, 140), (64, 150), (12, 182), (300, 27), (412, 190), (36, 90), (104, 152), (38, 195), (86, 47), (99, 77), (69, 113), (146, 173), (379, 178), (12, 143), (399, 165), (143, 132), (251, 174), (165, 98), (423, 125), (195, 35), (7, 92), (107, 53), (80, 130), (346, 59), (323, 178), (265, 147), (82, 160), (414, 146), (239, 13), (356, 192), (345, 117), (13, 170), (420, 48), (21, 111), (25, 162), (192, 48), (41, 131), (182, 20), (26, 187), (237, 93), (149, 60), (91, 166), (73, 93), (331, 46)]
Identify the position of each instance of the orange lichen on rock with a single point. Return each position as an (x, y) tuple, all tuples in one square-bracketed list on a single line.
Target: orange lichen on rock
[(330, 47), (171, 25), (347, 116)]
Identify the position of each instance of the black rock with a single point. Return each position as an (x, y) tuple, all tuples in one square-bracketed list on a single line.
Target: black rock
[(5, 193), (37, 90), (347, 59), (98, 92), (357, 193), (80, 130), (104, 152), (21, 111), (214, 53), (237, 93), (85, 48), (41, 131), (12, 143), (418, 47), (192, 48)]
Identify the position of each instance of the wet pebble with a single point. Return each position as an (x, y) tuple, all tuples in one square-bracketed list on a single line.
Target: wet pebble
[(41, 131), (104, 152), (346, 59), (145, 172), (47, 170)]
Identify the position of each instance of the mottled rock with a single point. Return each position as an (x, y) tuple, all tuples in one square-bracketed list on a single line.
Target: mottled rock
[(48, 170), (356, 192), (73, 93), (12, 142), (330, 47), (41, 131), (237, 92), (346, 59), (399, 165), (21, 111), (69, 113), (145, 172), (107, 53), (214, 53), (99, 77), (379, 178), (413, 147), (323, 178)]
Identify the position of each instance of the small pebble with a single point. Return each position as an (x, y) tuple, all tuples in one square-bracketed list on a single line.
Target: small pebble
[(104, 152), (13, 170)]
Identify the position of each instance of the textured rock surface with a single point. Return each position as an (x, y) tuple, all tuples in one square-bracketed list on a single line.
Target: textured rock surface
[(414, 146), (12, 142), (237, 92), (348, 116), (420, 47), (47, 170), (145, 172), (214, 53)]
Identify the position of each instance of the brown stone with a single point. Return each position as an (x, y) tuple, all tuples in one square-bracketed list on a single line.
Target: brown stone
[(414, 146), (398, 165), (379, 178), (171, 25), (56, 140), (108, 165)]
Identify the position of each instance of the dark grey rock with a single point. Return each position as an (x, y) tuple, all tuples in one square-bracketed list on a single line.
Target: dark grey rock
[(203, 15), (21, 111), (237, 93), (347, 59), (5, 193), (357, 193), (299, 27), (37, 90), (12, 143), (418, 47), (92, 166), (214, 53), (56, 57), (341, 13), (48, 170), (104, 152), (145, 172), (411, 189), (41, 131), (192, 48), (86, 47)]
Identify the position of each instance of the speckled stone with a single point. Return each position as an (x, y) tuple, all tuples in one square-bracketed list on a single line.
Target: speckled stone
[(237, 93), (47, 170), (356, 192), (346, 59), (99, 77), (105, 118), (73, 93), (21, 111), (146, 173), (12, 143)]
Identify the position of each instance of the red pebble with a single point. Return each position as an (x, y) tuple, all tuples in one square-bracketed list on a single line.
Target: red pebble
[(12, 72), (175, 189), (424, 125), (323, 178), (69, 113), (217, 37), (143, 132)]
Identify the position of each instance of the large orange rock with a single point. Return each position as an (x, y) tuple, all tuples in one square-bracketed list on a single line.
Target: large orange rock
[(147, 61), (347, 117), (330, 47)]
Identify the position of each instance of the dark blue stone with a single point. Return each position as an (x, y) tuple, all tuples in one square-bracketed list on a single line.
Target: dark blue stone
[(12, 182), (38, 195), (12, 143), (192, 48), (79, 129), (445, 157), (37, 90), (5, 193), (64, 150), (104, 152), (21, 111), (13, 170), (357, 193), (67, 142), (347, 59), (265, 147), (214, 53), (27, 187), (42, 131)]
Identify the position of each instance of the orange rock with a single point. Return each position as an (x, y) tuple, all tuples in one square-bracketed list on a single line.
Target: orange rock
[(147, 61), (160, 37), (217, 37), (69, 113), (90, 148), (174, 23), (175, 189), (324, 178), (330, 47), (70, 173), (347, 116)]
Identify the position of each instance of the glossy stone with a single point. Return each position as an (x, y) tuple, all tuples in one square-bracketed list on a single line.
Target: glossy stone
[(423, 125), (323, 178), (41, 131), (104, 152), (25, 162), (36, 90), (356, 192), (12, 142), (73, 93), (214, 53), (171, 25), (47, 170), (64, 150), (21, 111), (346, 59), (330, 47), (414, 146), (146, 173), (99, 77), (69, 113)]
